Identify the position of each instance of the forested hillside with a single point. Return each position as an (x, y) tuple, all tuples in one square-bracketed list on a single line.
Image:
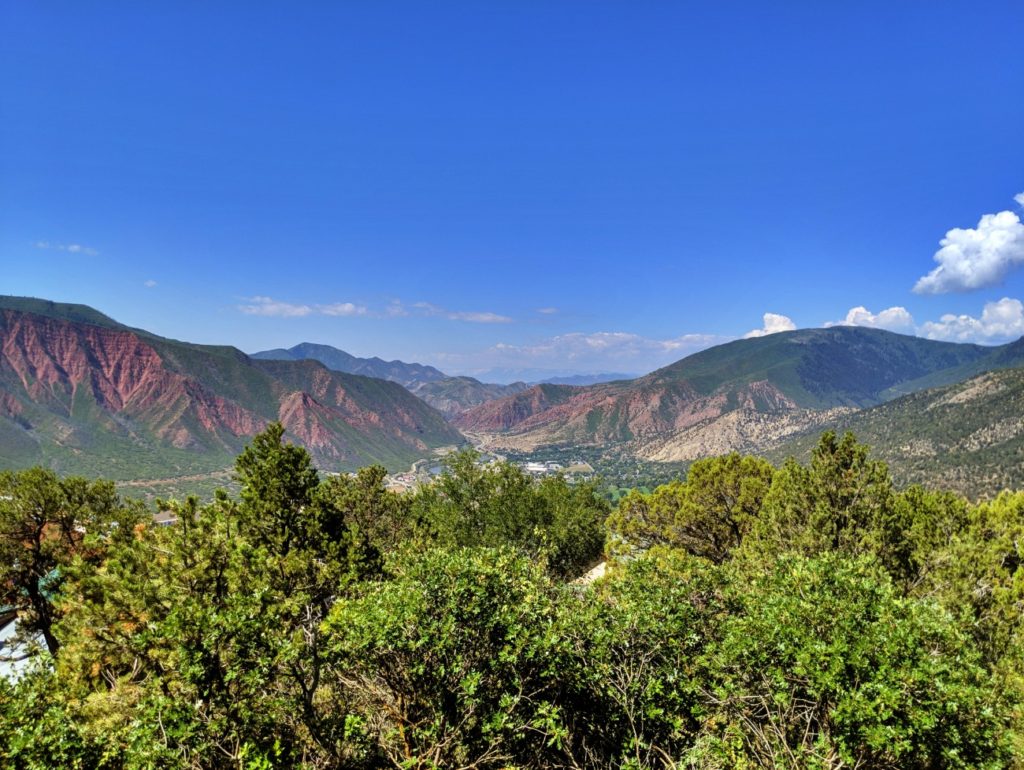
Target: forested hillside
[(967, 437), (805, 616)]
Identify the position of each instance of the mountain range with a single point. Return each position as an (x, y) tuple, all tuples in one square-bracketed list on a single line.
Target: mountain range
[(748, 394), (82, 393), (449, 395)]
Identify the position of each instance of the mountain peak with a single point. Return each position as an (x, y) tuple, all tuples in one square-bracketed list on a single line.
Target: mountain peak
[(64, 311)]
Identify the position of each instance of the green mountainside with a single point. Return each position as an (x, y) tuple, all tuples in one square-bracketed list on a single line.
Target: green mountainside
[(82, 393), (746, 395), (822, 368), (64, 311), (968, 436)]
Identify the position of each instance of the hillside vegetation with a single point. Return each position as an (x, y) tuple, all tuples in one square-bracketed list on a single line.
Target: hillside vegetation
[(968, 437), (805, 616)]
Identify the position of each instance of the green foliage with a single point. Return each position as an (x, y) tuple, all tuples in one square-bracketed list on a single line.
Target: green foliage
[(707, 516), (808, 618), (824, 665), (45, 522), (475, 505), (40, 731), (842, 502), (453, 662), (631, 686), (979, 575), (373, 514), (278, 481)]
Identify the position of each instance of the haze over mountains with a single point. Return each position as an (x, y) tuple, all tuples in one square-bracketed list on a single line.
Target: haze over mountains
[(82, 393)]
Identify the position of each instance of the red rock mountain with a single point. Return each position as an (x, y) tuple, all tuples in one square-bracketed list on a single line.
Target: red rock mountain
[(82, 393)]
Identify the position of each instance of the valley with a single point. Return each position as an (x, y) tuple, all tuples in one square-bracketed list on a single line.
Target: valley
[(81, 393)]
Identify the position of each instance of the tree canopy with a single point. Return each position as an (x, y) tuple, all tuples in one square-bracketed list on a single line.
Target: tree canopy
[(805, 617)]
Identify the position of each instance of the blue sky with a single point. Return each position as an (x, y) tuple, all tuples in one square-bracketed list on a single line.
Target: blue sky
[(585, 186)]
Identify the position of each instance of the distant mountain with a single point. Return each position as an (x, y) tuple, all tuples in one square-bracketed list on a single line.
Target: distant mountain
[(340, 361), (512, 412), (587, 379), (536, 376), (967, 437), (82, 393), (454, 395), (746, 394), (449, 395)]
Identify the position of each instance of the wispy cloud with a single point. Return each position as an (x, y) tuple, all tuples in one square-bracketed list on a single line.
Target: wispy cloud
[(430, 309), (72, 248), (1000, 320), (395, 309), (773, 323), (612, 345), (341, 309), (547, 310), (895, 319), (267, 306), (583, 352), (149, 284), (976, 257)]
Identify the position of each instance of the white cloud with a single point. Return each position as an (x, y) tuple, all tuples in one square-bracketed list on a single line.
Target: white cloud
[(1002, 320), (894, 319), (341, 309), (547, 310), (149, 284), (430, 309), (267, 306), (974, 258), (480, 318), (773, 323), (622, 345), (73, 248)]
